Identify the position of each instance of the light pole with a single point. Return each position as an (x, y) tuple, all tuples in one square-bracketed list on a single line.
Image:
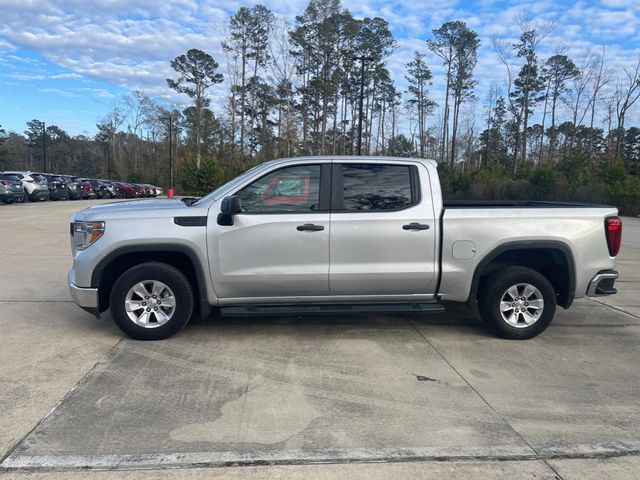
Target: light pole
[(170, 190), (44, 148), (362, 58)]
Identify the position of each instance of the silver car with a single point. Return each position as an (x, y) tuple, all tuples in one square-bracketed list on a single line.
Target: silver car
[(10, 189), (34, 185)]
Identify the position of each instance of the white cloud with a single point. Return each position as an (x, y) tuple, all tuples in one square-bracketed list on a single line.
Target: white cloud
[(129, 44)]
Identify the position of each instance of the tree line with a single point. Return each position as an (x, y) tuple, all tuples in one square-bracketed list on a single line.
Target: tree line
[(555, 127)]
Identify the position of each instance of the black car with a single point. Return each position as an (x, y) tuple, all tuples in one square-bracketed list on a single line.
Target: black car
[(57, 186), (74, 187), (100, 188), (111, 188)]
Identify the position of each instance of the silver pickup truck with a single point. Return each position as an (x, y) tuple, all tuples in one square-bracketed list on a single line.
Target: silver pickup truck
[(334, 235)]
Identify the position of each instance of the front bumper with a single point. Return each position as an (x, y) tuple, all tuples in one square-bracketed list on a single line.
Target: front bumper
[(8, 197), (85, 298), (602, 284), (39, 194)]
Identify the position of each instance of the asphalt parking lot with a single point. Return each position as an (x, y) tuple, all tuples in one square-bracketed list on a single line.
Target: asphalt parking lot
[(320, 397)]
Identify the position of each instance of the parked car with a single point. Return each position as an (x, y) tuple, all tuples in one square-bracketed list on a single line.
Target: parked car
[(138, 189), (87, 189), (125, 190), (10, 189), (74, 187), (57, 186), (146, 190), (260, 245), (153, 190), (99, 188), (111, 188), (33, 185)]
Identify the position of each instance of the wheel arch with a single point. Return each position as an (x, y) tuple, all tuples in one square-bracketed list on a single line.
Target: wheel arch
[(122, 259), (553, 259)]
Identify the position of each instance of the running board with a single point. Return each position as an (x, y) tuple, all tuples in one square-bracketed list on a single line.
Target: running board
[(330, 309)]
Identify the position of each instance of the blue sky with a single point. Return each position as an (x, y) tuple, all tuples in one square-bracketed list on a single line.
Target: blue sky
[(65, 62)]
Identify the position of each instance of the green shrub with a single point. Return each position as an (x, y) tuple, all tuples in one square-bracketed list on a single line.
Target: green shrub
[(200, 181)]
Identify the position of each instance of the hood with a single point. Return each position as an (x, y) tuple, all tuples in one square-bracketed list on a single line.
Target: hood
[(151, 208)]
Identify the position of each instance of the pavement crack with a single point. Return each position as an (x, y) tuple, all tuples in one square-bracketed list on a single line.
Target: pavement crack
[(486, 402), (554, 470), (15, 446), (615, 308)]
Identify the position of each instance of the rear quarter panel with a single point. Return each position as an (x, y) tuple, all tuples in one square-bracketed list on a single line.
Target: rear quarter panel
[(580, 229)]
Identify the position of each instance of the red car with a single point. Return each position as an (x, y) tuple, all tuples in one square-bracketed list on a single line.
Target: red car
[(126, 190), (87, 190)]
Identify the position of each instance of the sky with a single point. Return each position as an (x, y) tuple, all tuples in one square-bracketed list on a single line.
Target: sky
[(66, 61)]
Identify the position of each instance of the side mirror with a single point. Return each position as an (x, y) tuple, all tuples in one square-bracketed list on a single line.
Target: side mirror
[(230, 206)]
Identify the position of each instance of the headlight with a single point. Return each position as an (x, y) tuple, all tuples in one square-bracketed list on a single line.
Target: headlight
[(85, 234)]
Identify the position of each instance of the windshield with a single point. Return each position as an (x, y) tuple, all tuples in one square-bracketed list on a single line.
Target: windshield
[(231, 184)]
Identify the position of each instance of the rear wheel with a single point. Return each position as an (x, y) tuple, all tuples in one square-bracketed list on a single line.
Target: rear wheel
[(151, 301), (518, 303)]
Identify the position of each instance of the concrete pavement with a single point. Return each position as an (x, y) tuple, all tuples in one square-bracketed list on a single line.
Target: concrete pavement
[(402, 390)]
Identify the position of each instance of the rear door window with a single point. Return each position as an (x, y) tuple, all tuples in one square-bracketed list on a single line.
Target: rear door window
[(376, 187)]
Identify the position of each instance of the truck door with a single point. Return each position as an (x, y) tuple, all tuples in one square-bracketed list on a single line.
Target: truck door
[(279, 245), (382, 230)]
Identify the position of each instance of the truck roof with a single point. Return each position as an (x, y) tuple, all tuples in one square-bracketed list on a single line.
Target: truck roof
[(357, 159)]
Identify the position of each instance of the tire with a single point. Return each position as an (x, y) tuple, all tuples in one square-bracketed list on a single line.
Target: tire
[(505, 290), (158, 278)]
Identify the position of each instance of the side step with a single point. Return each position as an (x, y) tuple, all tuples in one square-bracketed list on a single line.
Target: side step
[(330, 309)]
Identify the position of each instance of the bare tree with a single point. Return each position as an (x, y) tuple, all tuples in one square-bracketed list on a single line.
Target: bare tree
[(629, 92), (139, 106), (601, 77)]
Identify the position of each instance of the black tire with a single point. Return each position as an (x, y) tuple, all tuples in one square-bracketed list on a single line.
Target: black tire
[(148, 272), (495, 288)]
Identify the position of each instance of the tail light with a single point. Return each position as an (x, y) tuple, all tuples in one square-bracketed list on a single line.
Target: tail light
[(613, 231), (5, 182)]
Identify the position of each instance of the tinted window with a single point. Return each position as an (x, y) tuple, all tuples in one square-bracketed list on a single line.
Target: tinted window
[(292, 189), (376, 187)]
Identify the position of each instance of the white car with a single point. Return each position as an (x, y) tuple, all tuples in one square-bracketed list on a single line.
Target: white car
[(34, 185)]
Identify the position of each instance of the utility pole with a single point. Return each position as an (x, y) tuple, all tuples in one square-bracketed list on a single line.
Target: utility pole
[(170, 190), (362, 59), (44, 148)]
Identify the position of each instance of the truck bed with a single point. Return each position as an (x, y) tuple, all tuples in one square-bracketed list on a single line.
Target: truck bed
[(517, 204)]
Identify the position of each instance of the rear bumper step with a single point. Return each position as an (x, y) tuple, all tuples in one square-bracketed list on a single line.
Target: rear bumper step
[(602, 284), (329, 309)]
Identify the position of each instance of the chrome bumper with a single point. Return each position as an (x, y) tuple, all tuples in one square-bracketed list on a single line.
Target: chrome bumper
[(602, 284), (84, 297)]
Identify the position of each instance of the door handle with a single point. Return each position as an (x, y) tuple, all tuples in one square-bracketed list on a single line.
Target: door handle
[(415, 226), (310, 227)]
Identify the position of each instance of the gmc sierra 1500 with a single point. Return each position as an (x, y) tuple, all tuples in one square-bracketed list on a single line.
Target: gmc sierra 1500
[(335, 235)]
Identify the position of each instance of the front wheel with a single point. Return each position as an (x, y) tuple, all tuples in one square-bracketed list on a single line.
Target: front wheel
[(517, 303), (151, 301)]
